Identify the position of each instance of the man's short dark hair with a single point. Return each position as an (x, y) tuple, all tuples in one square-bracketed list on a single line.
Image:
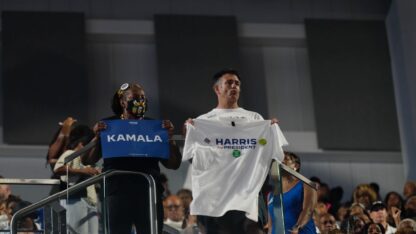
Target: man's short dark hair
[(377, 205), (219, 74)]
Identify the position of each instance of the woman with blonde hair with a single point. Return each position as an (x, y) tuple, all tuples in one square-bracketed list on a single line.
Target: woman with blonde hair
[(365, 195)]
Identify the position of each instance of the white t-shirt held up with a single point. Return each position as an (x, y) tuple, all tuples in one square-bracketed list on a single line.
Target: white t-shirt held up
[(231, 153)]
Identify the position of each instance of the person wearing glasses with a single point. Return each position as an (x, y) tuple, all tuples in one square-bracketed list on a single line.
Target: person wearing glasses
[(125, 193), (175, 214)]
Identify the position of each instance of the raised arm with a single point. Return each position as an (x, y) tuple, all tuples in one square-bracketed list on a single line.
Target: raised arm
[(94, 154), (59, 144), (175, 157)]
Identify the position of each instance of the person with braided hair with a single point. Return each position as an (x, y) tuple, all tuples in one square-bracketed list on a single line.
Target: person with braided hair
[(125, 192)]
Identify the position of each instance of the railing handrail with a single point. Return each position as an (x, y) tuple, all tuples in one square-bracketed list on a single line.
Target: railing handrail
[(299, 176), (29, 181), (278, 208), (31, 208)]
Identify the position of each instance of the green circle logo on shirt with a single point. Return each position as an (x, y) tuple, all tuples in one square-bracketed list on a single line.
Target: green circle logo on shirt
[(262, 141), (236, 153)]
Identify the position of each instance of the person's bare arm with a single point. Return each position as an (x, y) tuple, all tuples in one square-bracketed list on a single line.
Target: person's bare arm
[(59, 145), (309, 202), (175, 157), (94, 154), (87, 171), (396, 215)]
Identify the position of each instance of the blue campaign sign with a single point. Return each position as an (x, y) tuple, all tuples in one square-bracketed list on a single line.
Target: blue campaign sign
[(135, 138)]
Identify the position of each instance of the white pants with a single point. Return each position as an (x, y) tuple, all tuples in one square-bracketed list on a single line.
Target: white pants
[(81, 217)]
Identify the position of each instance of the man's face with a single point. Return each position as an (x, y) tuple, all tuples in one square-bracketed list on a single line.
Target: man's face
[(379, 216), (228, 87)]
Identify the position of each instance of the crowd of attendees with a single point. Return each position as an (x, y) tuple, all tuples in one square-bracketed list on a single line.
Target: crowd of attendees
[(9, 204), (364, 212), (367, 211)]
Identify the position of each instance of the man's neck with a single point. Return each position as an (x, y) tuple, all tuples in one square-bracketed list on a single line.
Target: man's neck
[(227, 105)]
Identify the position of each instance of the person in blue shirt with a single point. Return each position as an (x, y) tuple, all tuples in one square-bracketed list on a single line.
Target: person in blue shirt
[(299, 201)]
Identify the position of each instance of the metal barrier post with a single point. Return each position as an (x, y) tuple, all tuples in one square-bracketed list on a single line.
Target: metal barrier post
[(276, 177), (46, 201)]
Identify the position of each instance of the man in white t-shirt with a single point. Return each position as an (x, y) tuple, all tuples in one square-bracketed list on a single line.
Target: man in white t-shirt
[(378, 213), (227, 88)]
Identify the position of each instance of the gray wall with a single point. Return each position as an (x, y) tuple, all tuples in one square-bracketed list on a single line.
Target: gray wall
[(402, 38), (273, 52)]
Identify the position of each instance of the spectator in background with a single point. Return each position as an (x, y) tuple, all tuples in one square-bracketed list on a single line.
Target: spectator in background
[(374, 228), (365, 195), (299, 200), (406, 226), (358, 223), (394, 203), (376, 189), (5, 191), (324, 193), (165, 183), (356, 218), (59, 141), (335, 197), (319, 210), (82, 216), (190, 223), (174, 209), (378, 214), (327, 223), (342, 213), (9, 204), (57, 147), (357, 208), (186, 196), (315, 179), (409, 189), (410, 208)]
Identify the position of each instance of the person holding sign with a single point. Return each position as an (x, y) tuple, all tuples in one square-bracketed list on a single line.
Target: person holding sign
[(231, 150), (131, 141)]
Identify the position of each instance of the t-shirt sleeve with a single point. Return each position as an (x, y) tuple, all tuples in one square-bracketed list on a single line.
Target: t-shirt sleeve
[(280, 136), (280, 141), (188, 148)]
